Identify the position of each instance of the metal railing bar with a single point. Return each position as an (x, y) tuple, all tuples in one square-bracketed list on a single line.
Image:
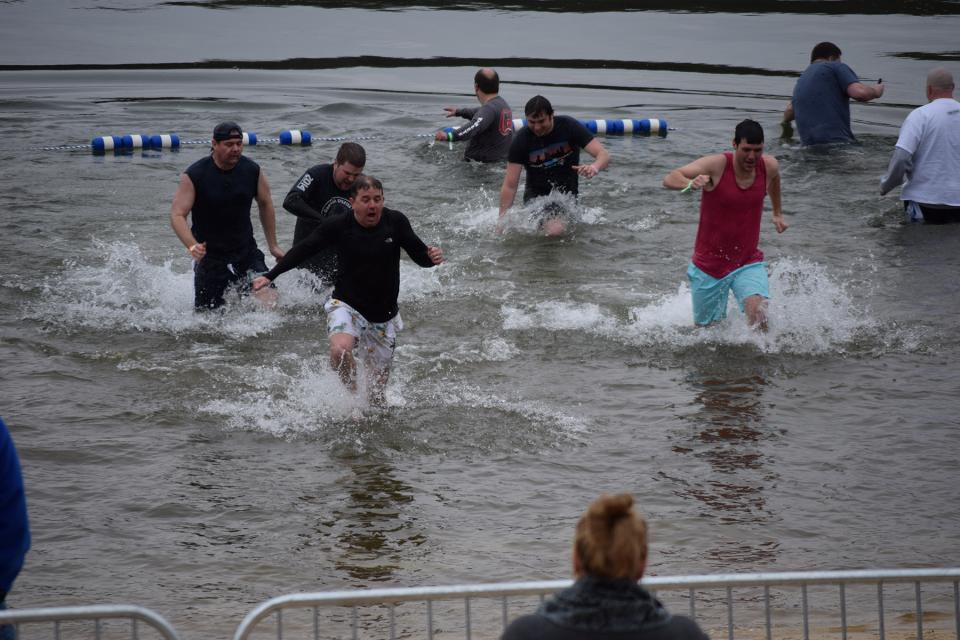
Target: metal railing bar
[(843, 610), (316, 623), (466, 613), (542, 588), (95, 613), (766, 610), (693, 604), (883, 634), (503, 610), (919, 611), (96, 627), (806, 619), (280, 624), (353, 622), (430, 619), (956, 607), (393, 621), (730, 613)]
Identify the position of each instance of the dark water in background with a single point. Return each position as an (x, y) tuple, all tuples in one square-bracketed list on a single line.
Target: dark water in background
[(199, 465)]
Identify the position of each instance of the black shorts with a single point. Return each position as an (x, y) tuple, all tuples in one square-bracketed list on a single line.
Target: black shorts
[(938, 215), (212, 276)]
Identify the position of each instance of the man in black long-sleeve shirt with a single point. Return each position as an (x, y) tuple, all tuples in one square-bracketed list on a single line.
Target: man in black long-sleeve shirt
[(322, 191), (363, 310)]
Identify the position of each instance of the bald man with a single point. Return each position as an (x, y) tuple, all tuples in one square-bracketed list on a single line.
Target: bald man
[(490, 130), (928, 156)]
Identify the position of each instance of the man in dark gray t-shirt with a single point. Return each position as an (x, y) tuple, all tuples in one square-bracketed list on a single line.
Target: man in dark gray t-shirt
[(490, 129)]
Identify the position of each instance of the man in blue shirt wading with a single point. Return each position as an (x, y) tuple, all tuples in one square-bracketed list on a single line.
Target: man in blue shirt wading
[(821, 96)]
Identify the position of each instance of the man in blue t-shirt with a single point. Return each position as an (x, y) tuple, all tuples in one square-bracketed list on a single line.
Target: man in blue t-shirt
[(821, 97), (549, 147)]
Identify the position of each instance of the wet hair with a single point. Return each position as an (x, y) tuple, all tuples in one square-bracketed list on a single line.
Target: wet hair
[(538, 105), (353, 153), (611, 538), (748, 131), (940, 80), (487, 81), (825, 50), (364, 182)]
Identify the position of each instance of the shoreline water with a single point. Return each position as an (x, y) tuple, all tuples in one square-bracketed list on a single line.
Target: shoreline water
[(200, 465)]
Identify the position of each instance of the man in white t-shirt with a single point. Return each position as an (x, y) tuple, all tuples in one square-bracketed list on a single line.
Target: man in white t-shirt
[(928, 156)]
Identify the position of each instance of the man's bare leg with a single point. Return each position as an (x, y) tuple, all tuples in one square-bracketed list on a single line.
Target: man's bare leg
[(756, 309), (342, 360)]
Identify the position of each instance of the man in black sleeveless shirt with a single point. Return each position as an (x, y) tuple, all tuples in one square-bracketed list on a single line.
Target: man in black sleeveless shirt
[(219, 191), (321, 192), (363, 310)]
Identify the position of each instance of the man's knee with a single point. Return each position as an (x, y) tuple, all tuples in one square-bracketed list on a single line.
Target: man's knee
[(341, 345)]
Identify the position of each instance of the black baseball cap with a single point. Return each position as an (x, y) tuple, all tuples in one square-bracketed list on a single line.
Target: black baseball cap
[(226, 131)]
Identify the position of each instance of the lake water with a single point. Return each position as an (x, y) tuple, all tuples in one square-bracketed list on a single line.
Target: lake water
[(199, 464)]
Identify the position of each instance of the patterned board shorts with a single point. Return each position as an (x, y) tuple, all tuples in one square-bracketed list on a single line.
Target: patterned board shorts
[(376, 340)]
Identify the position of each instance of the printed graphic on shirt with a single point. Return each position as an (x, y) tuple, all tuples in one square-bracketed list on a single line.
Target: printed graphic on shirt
[(506, 122), (552, 156), (305, 182), (335, 203)]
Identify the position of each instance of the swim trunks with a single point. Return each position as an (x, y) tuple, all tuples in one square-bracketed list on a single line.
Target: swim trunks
[(710, 294), (376, 340), (212, 276)]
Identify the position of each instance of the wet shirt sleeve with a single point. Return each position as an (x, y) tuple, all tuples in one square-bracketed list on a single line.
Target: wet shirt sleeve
[(845, 76), (480, 121), (412, 243), (299, 195), (325, 235), (518, 148), (579, 134)]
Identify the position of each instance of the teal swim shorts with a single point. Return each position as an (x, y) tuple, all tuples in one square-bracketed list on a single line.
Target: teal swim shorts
[(710, 295)]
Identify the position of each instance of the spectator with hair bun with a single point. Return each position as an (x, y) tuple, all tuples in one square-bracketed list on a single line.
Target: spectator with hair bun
[(606, 602)]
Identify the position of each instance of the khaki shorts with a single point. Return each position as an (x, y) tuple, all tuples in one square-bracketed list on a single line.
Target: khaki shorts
[(376, 340)]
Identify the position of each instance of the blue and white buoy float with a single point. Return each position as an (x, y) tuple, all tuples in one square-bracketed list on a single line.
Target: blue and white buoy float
[(614, 127), (102, 144), (302, 137)]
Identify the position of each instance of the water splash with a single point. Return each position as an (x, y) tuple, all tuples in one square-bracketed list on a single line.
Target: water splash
[(811, 312), (292, 396), (122, 290)]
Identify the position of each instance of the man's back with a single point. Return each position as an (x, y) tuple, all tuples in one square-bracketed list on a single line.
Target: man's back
[(821, 103), (931, 133), (491, 144)]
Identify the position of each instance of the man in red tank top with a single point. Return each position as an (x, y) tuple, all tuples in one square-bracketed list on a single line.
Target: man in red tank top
[(726, 256)]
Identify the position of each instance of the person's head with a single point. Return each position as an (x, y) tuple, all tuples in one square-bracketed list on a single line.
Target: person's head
[(611, 540), (539, 114), (939, 84), (747, 144), (348, 165), (487, 81), (825, 51), (227, 144), (366, 198)]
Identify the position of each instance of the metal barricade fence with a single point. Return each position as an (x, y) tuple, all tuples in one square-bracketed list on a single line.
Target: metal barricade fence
[(801, 604), (130, 615)]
